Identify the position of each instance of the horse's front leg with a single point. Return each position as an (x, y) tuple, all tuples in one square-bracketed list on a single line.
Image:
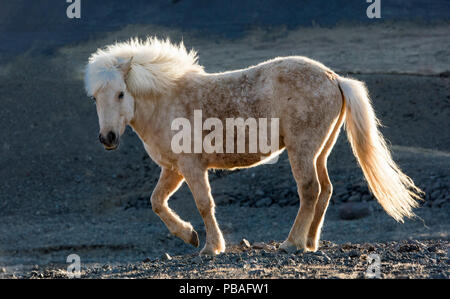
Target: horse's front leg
[(198, 182), (169, 182)]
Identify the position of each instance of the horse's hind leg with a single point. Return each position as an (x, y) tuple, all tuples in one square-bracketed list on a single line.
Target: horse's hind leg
[(307, 124), (326, 188), (169, 182), (322, 203), (304, 171), (304, 146)]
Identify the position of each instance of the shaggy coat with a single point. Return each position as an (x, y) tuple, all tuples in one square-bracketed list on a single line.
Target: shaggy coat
[(148, 84)]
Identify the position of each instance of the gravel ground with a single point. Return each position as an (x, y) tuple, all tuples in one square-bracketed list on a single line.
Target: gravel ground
[(405, 259)]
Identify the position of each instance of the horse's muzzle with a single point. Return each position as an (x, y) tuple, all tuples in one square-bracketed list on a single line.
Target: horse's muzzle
[(110, 141)]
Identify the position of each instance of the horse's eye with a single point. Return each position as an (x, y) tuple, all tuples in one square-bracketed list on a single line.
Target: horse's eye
[(120, 95)]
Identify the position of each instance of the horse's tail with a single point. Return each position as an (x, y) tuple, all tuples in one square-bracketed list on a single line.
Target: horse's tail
[(394, 190)]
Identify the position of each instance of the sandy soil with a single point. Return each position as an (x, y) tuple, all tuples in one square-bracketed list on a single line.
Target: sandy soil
[(62, 194)]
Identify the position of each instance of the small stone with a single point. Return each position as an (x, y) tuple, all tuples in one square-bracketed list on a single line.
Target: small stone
[(433, 248), (353, 253), (271, 247), (167, 257), (370, 248), (245, 243), (196, 259), (347, 246), (259, 245), (323, 255), (408, 248), (256, 272), (326, 258)]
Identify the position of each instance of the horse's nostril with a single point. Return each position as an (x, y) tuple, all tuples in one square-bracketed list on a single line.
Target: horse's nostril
[(111, 138)]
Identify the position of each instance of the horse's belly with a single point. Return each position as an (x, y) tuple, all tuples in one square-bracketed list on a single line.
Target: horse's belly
[(239, 160)]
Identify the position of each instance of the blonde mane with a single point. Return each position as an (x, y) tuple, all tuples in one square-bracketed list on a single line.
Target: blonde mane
[(156, 65)]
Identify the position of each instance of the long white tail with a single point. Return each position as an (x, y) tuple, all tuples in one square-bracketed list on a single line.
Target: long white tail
[(394, 190)]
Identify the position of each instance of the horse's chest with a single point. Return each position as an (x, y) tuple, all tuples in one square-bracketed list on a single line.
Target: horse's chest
[(156, 154)]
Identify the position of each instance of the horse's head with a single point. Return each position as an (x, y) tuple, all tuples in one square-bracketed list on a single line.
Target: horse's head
[(115, 105)]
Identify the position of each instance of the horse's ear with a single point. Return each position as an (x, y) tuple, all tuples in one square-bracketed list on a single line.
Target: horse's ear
[(125, 65)]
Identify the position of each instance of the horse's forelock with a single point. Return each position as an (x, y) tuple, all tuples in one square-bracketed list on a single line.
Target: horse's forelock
[(156, 65), (97, 78)]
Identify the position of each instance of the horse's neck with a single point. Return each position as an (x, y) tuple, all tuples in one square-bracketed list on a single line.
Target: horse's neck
[(142, 120)]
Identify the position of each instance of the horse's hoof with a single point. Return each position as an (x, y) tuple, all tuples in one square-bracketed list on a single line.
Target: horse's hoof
[(194, 239), (213, 250), (209, 252), (288, 247), (312, 245)]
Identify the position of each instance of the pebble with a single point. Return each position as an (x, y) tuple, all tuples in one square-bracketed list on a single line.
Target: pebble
[(197, 260), (245, 243), (323, 255), (353, 253), (259, 245), (271, 247), (256, 272), (408, 248)]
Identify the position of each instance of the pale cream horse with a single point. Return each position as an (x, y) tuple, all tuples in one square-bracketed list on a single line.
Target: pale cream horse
[(148, 84)]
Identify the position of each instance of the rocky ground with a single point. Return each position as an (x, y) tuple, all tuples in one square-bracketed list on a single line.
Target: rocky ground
[(404, 259), (61, 193)]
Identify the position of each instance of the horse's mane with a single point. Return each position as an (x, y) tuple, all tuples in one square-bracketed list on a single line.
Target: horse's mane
[(156, 65)]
